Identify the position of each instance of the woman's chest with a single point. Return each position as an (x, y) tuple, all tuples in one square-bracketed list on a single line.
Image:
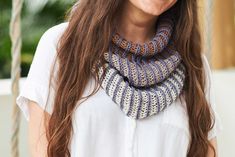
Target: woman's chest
[(100, 110), (98, 122)]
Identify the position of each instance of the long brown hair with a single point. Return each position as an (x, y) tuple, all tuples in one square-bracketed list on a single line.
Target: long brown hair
[(85, 40)]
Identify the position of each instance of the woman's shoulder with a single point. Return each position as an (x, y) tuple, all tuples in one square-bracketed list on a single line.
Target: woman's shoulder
[(36, 85), (53, 33), (47, 45)]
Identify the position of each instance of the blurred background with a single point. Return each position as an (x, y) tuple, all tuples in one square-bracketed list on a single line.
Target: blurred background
[(217, 19), (37, 17)]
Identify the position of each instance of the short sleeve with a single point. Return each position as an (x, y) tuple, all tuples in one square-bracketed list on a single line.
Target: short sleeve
[(36, 85), (210, 96)]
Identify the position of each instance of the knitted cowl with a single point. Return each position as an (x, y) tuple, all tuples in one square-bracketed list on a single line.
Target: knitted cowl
[(144, 79)]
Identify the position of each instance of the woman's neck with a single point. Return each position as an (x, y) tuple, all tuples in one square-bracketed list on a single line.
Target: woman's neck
[(136, 25)]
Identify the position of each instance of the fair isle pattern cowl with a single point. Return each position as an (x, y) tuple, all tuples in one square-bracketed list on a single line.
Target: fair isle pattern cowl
[(143, 79)]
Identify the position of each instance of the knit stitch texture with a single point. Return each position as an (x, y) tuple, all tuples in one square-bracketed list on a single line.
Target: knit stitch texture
[(144, 79)]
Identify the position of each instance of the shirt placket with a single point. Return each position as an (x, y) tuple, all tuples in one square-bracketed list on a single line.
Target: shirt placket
[(130, 140)]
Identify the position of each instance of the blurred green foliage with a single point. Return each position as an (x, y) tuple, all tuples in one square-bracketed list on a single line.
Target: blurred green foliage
[(34, 24)]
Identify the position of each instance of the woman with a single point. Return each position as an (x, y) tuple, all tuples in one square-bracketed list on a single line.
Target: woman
[(153, 100)]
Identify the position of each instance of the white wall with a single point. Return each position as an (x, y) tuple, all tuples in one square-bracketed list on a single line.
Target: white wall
[(224, 84), (6, 123)]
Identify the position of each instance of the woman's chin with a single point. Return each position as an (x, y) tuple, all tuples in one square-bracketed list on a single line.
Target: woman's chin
[(154, 12), (153, 7)]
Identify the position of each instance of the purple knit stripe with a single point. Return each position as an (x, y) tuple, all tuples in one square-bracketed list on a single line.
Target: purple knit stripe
[(119, 40), (141, 67), (165, 65), (161, 26), (175, 53), (172, 86), (145, 50), (162, 74), (162, 32), (176, 80), (167, 26), (138, 74), (154, 47), (156, 71), (166, 39), (128, 64), (161, 43), (167, 91), (138, 52), (124, 54), (152, 71), (167, 29), (171, 62), (170, 65), (111, 80), (119, 60), (159, 106), (145, 73), (117, 89), (110, 57), (131, 104), (158, 46), (175, 62), (179, 75), (160, 71), (164, 97), (171, 49), (120, 63), (123, 95), (158, 103), (140, 104), (149, 104), (179, 59)]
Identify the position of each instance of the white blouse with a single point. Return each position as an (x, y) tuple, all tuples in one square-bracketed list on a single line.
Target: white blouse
[(101, 129)]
